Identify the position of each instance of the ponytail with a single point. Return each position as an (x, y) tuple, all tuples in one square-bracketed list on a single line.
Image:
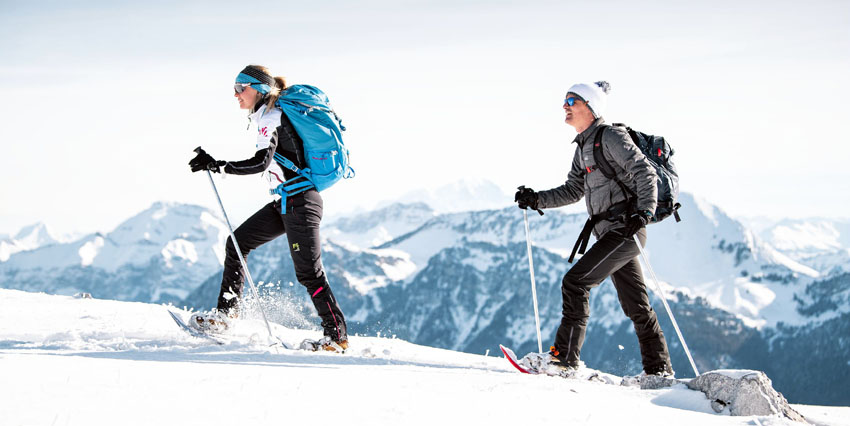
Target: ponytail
[(280, 85)]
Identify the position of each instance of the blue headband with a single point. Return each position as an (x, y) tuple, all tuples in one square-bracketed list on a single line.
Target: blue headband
[(256, 84)]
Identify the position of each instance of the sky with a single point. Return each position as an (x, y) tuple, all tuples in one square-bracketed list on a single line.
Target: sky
[(102, 103)]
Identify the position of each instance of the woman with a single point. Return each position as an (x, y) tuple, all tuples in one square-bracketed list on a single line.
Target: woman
[(256, 91)]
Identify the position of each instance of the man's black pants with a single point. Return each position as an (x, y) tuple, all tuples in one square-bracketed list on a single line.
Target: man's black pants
[(301, 226), (615, 256)]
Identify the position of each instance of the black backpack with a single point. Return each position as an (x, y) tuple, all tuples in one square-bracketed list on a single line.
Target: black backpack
[(658, 151)]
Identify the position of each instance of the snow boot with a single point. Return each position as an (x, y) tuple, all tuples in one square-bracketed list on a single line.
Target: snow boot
[(213, 322), (324, 344), (551, 363), (661, 370)]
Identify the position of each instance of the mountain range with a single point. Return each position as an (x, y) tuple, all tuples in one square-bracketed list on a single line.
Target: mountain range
[(777, 300)]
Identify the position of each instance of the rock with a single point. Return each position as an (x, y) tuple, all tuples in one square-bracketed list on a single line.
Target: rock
[(744, 393), (656, 382)]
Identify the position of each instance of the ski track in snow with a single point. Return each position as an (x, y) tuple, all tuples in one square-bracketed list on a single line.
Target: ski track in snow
[(67, 361)]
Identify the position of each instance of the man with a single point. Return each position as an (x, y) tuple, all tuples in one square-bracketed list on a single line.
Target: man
[(619, 209)]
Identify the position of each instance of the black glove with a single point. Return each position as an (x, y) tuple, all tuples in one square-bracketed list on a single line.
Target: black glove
[(526, 198), (204, 161), (635, 222)]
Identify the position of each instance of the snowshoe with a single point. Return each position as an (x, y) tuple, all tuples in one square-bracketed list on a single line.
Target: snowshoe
[(214, 322), (549, 363), (324, 344)]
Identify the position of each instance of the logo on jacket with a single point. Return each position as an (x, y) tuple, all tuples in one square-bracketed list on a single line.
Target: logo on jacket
[(264, 131), (296, 247)]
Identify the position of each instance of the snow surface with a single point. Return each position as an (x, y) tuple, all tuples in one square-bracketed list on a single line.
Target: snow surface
[(69, 361)]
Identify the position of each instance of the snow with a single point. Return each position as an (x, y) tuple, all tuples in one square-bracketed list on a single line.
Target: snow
[(89, 250), (179, 249), (819, 235), (399, 270), (70, 361), (481, 260), (367, 284)]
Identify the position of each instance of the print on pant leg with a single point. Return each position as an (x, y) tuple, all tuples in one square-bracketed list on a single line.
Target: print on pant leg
[(602, 260), (302, 224), (333, 322)]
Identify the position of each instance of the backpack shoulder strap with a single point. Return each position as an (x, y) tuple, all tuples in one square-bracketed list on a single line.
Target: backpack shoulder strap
[(604, 166), (601, 163)]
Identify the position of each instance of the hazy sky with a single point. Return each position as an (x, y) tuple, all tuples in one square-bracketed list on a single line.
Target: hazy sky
[(103, 102)]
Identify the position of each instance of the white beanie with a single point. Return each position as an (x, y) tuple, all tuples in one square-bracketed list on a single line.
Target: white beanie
[(595, 94)]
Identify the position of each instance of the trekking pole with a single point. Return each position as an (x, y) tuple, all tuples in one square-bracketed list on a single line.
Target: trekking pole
[(533, 287), (244, 264), (666, 306)]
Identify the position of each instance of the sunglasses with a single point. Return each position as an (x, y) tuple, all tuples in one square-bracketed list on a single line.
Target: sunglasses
[(572, 100), (240, 87)]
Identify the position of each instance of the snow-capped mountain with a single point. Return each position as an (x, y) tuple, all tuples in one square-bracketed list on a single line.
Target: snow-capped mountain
[(160, 254), (823, 244), (29, 238), (808, 236), (378, 226)]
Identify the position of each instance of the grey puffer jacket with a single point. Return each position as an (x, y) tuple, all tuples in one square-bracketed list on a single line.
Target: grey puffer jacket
[(586, 180)]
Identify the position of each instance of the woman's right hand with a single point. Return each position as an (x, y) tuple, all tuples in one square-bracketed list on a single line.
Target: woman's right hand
[(203, 161)]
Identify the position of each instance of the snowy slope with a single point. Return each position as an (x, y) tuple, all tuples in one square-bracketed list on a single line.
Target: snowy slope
[(92, 362)]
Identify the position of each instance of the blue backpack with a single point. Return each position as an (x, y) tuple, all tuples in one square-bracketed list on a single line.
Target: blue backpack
[(320, 130)]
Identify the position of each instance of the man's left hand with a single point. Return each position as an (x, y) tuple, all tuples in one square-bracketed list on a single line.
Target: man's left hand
[(635, 222)]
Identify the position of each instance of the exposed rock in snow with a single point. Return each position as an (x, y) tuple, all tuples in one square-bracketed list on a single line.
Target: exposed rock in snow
[(744, 393), (657, 382)]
